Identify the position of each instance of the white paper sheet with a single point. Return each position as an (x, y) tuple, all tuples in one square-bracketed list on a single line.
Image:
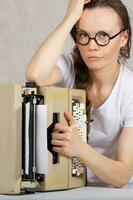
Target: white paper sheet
[(27, 117), (41, 140)]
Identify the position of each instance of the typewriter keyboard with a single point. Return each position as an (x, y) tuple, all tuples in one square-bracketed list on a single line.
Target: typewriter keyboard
[(78, 111)]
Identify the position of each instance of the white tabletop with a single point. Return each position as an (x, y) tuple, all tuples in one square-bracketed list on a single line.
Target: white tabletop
[(84, 193)]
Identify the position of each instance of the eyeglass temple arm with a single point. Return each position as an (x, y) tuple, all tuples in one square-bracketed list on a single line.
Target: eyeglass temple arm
[(116, 34)]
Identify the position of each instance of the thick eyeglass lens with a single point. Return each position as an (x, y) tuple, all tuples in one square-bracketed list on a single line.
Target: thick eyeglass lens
[(101, 38), (82, 37)]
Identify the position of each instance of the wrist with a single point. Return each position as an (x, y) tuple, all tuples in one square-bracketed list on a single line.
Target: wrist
[(82, 150), (70, 20), (86, 153)]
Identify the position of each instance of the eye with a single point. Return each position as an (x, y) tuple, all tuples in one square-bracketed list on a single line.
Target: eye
[(102, 35), (82, 34)]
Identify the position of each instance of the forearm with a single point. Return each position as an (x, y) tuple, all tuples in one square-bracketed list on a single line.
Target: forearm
[(67, 141), (109, 171), (44, 60)]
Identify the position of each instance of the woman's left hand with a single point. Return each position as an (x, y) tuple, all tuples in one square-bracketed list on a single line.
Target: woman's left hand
[(66, 139), (87, 1)]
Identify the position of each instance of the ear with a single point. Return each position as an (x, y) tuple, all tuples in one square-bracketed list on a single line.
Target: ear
[(124, 38)]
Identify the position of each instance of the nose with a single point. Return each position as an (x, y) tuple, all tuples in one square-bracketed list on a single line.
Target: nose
[(92, 45)]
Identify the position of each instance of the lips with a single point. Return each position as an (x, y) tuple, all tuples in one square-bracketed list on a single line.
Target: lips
[(94, 58)]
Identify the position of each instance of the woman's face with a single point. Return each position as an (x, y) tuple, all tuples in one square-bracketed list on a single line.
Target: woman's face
[(93, 21)]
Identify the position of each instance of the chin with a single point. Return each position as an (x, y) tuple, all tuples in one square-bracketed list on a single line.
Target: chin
[(95, 66)]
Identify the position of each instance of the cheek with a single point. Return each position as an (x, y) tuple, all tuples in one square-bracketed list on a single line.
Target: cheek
[(112, 52), (82, 51)]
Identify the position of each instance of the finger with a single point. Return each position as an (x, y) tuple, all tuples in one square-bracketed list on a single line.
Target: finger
[(61, 128), (58, 136), (57, 142), (70, 119), (58, 149), (87, 1)]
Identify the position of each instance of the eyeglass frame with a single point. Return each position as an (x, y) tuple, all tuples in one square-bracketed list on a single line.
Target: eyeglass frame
[(94, 38)]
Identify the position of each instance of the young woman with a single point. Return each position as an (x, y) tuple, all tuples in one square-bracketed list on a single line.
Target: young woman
[(102, 33)]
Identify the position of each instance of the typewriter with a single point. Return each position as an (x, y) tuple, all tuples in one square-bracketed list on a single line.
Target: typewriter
[(28, 115)]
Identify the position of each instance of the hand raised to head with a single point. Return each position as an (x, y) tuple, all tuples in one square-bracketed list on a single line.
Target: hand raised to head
[(75, 9), (87, 1)]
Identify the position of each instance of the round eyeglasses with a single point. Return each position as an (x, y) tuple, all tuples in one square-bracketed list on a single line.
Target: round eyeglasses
[(101, 38)]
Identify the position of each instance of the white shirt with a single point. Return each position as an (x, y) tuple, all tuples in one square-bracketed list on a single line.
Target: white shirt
[(109, 119)]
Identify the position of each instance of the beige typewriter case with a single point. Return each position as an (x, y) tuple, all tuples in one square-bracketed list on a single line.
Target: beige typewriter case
[(28, 116)]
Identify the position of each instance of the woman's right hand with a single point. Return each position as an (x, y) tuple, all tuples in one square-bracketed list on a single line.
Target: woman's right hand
[(75, 8)]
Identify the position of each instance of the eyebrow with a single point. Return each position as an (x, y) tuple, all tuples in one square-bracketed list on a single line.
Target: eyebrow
[(102, 30)]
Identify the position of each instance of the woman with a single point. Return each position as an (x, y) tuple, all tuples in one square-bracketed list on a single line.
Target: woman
[(102, 32)]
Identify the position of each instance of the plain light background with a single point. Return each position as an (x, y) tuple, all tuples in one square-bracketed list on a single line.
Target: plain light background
[(24, 25)]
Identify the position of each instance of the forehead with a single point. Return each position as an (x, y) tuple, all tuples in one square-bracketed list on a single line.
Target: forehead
[(96, 19)]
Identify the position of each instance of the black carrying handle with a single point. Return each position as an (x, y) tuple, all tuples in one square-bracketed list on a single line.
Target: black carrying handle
[(49, 138)]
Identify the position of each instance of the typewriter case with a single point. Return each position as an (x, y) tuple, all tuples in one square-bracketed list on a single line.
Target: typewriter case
[(62, 172)]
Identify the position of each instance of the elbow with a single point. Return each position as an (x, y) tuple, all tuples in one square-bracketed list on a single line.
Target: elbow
[(119, 185), (33, 77), (121, 182), (123, 177)]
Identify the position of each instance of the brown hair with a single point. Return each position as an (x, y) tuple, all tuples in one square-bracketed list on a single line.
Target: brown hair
[(82, 78)]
